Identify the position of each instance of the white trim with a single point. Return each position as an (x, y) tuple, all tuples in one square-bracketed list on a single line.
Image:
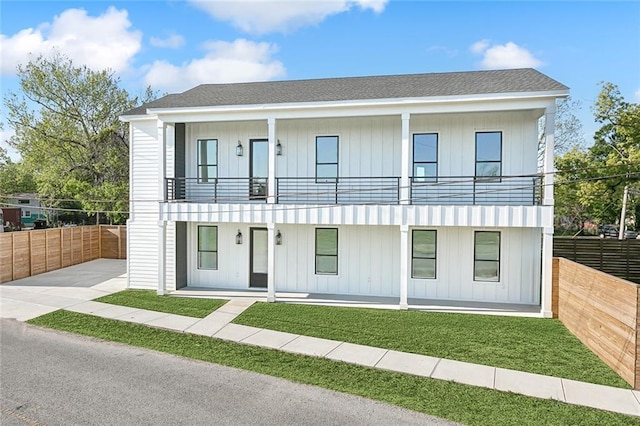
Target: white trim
[(360, 103), (271, 262), (405, 165), (404, 266)]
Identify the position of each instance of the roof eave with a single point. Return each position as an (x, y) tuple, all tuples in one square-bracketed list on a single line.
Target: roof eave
[(355, 103)]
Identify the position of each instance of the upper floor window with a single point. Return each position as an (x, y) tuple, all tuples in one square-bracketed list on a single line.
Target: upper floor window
[(486, 256), (207, 247), (425, 157), (488, 154), (23, 201), (327, 251), (423, 254), (326, 158), (207, 160)]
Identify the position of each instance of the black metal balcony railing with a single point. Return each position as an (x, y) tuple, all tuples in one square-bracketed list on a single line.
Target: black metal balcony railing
[(448, 190), (342, 190), (217, 190), (471, 190)]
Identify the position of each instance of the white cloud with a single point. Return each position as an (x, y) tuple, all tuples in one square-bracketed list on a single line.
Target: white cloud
[(264, 16), (480, 46), (104, 41), (508, 55), (224, 62), (172, 42)]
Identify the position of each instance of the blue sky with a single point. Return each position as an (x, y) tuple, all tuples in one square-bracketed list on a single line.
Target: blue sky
[(175, 45)]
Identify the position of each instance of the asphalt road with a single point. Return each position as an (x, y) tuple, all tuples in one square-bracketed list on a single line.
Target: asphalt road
[(54, 378)]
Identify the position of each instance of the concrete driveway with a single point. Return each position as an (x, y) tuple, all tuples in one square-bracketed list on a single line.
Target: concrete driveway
[(34, 296)]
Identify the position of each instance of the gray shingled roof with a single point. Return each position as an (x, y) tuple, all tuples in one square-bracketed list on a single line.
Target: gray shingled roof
[(358, 88)]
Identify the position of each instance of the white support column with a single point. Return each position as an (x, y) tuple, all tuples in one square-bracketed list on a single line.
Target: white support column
[(549, 146), (405, 162), (404, 266), (271, 262), (547, 272), (271, 198), (162, 255), (162, 226), (548, 201)]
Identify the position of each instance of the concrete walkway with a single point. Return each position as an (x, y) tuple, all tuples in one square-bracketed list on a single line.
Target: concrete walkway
[(27, 300)]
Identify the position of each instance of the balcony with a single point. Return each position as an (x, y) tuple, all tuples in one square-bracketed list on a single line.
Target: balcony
[(448, 190)]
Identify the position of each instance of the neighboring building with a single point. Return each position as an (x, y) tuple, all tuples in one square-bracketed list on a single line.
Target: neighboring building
[(409, 186), (30, 206)]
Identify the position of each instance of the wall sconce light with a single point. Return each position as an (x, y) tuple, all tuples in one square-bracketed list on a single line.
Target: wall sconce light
[(239, 237), (278, 238), (278, 148), (239, 149)]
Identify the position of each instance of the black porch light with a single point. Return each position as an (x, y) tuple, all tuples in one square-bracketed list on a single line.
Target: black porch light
[(278, 148), (239, 149), (278, 238), (239, 237)]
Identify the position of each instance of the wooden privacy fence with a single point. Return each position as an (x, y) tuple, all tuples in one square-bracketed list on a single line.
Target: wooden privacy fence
[(603, 312), (616, 257), (27, 253)]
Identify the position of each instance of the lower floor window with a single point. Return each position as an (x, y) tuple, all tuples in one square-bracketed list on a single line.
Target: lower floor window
[(486, 256), (207, 247), (326, 251), (423, 254)]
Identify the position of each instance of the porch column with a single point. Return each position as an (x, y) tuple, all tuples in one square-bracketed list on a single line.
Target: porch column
[(271, 185), (404, 265), (271, 262), (547, 272), (162, 255), (405, 166), (162, 226), (548, 202), (549, 146)]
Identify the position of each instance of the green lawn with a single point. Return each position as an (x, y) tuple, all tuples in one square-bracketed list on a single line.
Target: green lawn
[(148, 299), (535, 345), (466, 404)]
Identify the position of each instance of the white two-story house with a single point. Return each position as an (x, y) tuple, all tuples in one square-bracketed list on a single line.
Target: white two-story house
[(414, 187)]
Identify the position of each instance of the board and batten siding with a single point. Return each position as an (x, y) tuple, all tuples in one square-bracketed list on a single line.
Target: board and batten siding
[(456, 140), (520, 265), (371, 146), (369, 263), (227, 134)]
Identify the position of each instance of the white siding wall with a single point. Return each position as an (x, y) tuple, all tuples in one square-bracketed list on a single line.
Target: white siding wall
[(142, 226), (369, 264), (368, 261), (228, 134), (371, 146), (520, 265), (368, 146), (233, 259), (456, 140)]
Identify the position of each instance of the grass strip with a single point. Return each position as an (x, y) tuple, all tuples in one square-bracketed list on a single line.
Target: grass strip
[(149, 300), (467, 404), (535, 345)]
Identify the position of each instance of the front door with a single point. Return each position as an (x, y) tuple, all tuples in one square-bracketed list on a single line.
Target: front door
[(258, 169), (258, 260)]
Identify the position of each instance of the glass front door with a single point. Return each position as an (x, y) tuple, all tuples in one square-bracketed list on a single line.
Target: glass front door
[(258, 263)]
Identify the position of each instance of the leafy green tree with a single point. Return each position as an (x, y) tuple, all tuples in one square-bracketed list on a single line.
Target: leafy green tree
[(591, 182), (14, 177), (68, 133)]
